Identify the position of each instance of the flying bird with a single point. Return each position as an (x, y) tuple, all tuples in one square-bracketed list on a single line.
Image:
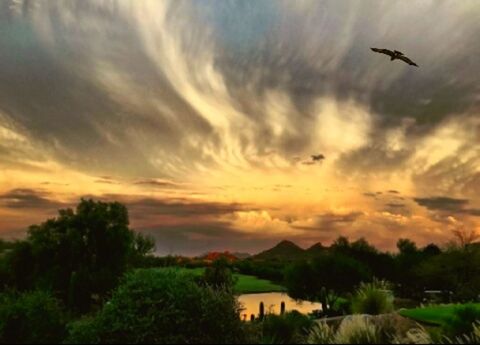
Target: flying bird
[(395, 55), (316, 158)]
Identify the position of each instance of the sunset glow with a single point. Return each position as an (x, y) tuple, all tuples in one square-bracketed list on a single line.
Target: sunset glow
[(203, 117)]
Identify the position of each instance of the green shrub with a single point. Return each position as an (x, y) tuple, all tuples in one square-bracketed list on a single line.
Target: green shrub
[(357, 330), (32, 317), (462, 321), (163, 306), (84, 331), (373, 298), (290, 328)]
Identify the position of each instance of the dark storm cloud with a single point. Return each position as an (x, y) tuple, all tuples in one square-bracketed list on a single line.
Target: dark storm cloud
[(442, 203), (140, 207), (447, 204), (24, 198), (157, 183), (64, 81), (182, 208), (370, 194), (395, 205)]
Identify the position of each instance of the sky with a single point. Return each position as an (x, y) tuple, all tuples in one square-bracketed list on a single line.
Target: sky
[(203, 117)]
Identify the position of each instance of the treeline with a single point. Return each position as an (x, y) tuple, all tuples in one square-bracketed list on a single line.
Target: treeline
[(454, 268)]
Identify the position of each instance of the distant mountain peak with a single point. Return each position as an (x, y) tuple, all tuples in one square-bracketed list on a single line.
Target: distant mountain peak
[(286, 244), (283, 250), (316, 246)]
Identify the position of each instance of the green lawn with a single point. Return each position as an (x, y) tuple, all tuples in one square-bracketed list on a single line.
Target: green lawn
[(245, 284), (434, 315)]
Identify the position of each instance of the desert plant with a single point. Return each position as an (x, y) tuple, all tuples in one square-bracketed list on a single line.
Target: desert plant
[(321, 333), (261, 311), (357, 330), (414, 336), (373, 298)]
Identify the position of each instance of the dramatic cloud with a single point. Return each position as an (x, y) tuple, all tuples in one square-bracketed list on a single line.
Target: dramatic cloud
[(27, 199), (447, 204), (201, 112)]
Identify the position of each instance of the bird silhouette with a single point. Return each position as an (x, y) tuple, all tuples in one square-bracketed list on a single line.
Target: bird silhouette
[(317, 157), (395, 55)]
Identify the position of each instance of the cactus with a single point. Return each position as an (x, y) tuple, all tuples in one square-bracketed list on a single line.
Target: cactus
[(282, 308), (261, 313), (252, 317)]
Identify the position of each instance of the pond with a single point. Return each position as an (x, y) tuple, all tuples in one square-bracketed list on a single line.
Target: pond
[(272, 301)]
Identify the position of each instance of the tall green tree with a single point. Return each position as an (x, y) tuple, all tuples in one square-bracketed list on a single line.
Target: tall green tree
[(79, 255)]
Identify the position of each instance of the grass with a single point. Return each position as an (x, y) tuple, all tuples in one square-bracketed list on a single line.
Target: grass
[(436, 315), (245, 284)]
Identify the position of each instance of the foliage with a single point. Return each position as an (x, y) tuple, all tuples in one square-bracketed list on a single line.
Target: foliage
[(31, 317), (462, 320), (373, 298), (78, 255), (438, 315), (457, 270), (334, 271), (219, 275), (272, 270), (289, 328), (163, 306)]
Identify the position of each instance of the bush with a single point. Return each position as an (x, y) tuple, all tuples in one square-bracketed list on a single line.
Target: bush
[(32, 317), (372, 298), (462, 322), (321, 333), (357, 330), (163, 306), (290, 328), (219, 275)]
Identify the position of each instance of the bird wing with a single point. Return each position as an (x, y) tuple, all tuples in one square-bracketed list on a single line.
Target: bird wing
[(407, 60), (383, 51)]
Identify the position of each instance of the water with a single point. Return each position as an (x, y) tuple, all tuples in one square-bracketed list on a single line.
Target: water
[(272, 301)]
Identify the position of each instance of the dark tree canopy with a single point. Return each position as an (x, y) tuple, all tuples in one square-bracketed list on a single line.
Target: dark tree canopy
[(79, 255)]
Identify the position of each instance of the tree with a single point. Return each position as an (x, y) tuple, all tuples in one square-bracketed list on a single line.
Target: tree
[(465, 237), (406, 246), (80, 255), (219, 275)]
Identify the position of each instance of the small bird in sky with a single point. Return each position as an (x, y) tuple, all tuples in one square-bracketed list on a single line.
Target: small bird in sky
[(394, 55), (316, 158)]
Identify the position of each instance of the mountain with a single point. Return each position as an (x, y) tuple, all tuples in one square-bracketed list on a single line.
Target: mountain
[(283, 250), (316, 249)]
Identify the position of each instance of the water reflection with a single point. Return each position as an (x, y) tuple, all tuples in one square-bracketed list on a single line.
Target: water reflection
[(272, 301)]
